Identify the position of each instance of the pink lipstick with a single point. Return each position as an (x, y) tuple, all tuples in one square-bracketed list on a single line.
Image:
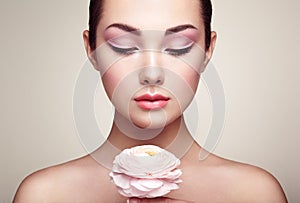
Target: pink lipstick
[(151, 102)]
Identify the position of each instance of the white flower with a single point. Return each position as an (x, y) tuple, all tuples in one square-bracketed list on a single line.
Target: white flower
[(146, 171)]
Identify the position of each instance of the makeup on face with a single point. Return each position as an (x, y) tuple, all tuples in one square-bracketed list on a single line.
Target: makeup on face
[(152, 102), (126, 40)]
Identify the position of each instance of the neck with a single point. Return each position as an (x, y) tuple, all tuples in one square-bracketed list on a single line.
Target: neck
[(174, 137), (125, 135)]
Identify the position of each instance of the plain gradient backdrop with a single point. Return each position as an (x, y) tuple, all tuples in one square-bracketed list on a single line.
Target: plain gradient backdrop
[(257, 57)]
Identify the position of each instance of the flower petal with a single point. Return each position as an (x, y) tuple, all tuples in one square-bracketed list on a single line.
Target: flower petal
[(146, 171), (146, 184), (121, 180)]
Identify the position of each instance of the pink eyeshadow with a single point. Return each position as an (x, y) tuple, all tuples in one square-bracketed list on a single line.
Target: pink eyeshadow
[(192, 34), (112, 33)]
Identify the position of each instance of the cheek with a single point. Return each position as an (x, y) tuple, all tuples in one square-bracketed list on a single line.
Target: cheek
[(185, 75), (110, 81), (115, 75), (113, 79), (192, 79)]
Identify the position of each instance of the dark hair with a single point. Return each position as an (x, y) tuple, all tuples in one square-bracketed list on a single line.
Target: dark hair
[(96, 11)]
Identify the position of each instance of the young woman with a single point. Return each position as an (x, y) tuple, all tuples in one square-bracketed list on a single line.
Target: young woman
[(136, 46)]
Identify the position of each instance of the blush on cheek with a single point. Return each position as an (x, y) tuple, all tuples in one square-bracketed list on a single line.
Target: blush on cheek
[(110, 83), (191, 78)]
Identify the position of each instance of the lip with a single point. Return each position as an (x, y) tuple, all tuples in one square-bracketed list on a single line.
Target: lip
[(151, 102)]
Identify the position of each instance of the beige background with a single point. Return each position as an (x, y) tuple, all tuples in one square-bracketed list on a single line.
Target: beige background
[(257, 57)]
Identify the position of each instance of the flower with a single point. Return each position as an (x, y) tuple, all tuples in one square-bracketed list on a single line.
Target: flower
[(146, 171)]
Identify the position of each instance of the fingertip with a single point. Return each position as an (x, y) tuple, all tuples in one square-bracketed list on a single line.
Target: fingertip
[(133, 200)]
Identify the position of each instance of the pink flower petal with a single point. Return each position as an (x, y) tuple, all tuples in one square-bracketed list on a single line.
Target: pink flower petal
[(158, 192), (133, 192), (165, 189), (170, 186), (173, 174), (151, 183), (146, 184), (121, 180), (137, 173)]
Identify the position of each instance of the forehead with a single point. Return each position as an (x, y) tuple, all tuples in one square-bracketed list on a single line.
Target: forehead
[(151, 14)]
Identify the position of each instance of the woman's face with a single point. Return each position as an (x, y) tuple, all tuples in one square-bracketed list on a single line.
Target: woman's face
[(149, 74)]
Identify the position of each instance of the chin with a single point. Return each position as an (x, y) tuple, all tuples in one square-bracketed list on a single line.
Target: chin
[(155, 119)]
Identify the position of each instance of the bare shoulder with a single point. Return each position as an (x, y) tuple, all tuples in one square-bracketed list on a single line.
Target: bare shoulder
[(249, 183), (61, 183)]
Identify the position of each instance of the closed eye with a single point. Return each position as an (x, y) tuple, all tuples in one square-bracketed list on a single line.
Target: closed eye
[(178, 52), (123, 50)]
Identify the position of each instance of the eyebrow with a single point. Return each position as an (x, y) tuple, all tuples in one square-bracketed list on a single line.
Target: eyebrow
[(137, 31), (126, 28), (179, 28)]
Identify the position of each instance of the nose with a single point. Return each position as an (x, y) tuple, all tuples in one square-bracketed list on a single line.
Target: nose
[(151, 74)]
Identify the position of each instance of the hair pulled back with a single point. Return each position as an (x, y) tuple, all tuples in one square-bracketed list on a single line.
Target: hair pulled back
[(96, 10)]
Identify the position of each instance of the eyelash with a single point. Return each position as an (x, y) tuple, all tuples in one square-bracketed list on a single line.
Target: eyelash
[(179, 52), (124, 51), (173, 52)]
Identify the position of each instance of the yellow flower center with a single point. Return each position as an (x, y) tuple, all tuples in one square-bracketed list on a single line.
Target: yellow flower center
[(151, 153)]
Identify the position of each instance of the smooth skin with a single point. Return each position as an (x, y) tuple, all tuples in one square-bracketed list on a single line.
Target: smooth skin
[(212, 180)]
